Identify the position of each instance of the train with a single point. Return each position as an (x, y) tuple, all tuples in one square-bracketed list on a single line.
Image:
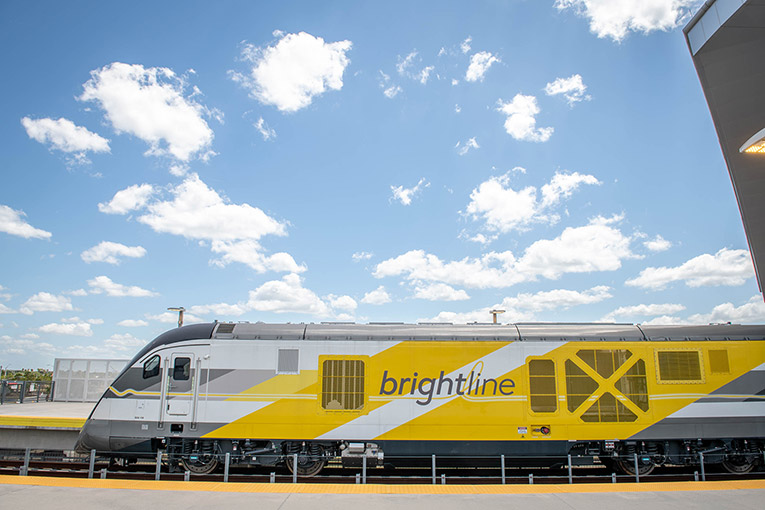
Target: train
[(301, 396)]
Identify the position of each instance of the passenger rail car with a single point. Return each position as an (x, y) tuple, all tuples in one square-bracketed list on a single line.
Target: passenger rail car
[(265, 392)]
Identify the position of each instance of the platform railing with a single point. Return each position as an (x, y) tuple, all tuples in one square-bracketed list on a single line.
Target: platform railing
[(22, 392), (432, 469)]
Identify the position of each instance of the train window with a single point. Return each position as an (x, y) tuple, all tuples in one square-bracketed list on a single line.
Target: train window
[(633, 385), (679, 366), (608, 409), (342, 385), (718, 361), (605, 362), (543, 397), (151, 367), (579, 385), (287, 362), (182, 369)]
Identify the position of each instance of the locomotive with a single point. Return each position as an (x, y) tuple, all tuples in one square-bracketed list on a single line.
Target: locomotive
[(629, 396)]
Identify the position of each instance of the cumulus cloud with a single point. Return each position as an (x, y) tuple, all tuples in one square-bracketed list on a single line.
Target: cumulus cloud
[(290, 74), (652, 310), (404, 64), (150, 104), (379, 296), (109, 252), (752, 312), (406, 67), (392, 91), (521, 122), (46, 302), (503, 209), (12, 222), (129, 199), (73, 329), (479, 63), (195, 211), (63, 135), (405, 195), (287, 295), (465, 45), (342, 303), (425, 74), (657, 244), (104, 285), (265, 131), (597, 246), (132, 323), (724, 268), (615, 18), (526, 306), (439, 292), (470, 144), (172, 318), (572, 88)]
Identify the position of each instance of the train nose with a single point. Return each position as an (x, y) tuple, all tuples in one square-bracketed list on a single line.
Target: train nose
[(94, 435)]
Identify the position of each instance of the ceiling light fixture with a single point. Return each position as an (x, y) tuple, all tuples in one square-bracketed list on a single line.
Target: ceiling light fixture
[(755, 143)]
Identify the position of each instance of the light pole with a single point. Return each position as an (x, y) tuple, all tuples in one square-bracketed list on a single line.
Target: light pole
[(494, 314), (180, 311)]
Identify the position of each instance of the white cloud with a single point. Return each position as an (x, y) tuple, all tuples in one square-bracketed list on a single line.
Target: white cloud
[(107, 251), (5, 310), (465, 45), (479, 63), (116, 346), (470, 144), (287, 295), (439, 292), (665, 320), (64, 135), (504, 209), (104, 285), (248, 252), (199, 212), (425, 74), (78, 292), (294, 71), (521, 119), (149, 103), (392, 91), (457, 108), (265, 131), (73, 329), (405, 195), (129, 199), (342, 302), (46, 302), (652, 310), (379, 296), (598, 246), (11, 222), (132, 323), (752, 312), (220, 309), (405, 63), (615, 18), (124, 343), (525, 306), (172, 318), (658, 244), (361, 255), (726, 267), (572, 88)]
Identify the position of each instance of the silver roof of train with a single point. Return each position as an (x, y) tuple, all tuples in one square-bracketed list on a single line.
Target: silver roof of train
[(485, 332)]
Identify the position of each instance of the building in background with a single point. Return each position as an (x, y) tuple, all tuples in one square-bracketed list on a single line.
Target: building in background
[(727, 43)]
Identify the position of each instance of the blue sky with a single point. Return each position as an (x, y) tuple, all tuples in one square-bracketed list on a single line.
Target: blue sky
[(338, 161)]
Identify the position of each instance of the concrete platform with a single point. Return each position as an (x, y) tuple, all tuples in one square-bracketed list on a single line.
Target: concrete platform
[(63, 494), (48, 425)]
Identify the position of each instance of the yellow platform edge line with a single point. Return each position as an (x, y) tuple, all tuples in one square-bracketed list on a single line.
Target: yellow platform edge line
[(316, 488), (41, 421)]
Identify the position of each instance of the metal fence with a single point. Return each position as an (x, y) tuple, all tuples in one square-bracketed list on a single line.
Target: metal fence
[(434, 469), (20, 392)]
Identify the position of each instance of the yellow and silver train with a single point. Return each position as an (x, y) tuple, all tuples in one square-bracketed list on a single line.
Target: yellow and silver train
[(266, 392)]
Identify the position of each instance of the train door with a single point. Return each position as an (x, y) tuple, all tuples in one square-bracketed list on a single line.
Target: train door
[(180, 385)]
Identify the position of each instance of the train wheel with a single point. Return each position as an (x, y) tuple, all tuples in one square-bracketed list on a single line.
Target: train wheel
[(200, 465), (645, 466), (738, 464), (309, 463)]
